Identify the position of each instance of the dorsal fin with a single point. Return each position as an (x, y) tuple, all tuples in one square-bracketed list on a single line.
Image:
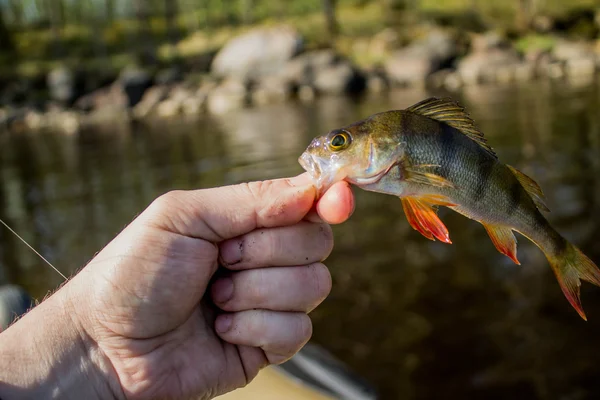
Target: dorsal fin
[(448, 111), (531, 186)]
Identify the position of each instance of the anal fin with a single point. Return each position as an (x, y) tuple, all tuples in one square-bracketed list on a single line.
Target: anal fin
[(423, 218), (504, 240)]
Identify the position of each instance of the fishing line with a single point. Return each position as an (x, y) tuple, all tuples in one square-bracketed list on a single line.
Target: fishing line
[(32, 249)]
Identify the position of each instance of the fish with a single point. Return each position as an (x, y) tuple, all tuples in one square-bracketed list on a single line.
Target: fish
[(432, 155)]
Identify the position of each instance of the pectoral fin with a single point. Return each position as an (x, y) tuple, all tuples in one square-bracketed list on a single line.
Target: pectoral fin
[(423, 218), (504, 240), (425, 175)]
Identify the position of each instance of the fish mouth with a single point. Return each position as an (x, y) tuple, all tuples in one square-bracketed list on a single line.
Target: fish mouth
[(310, 165), (315, 169)]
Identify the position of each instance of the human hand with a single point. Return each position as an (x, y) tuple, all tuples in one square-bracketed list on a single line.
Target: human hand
[(158, 323)]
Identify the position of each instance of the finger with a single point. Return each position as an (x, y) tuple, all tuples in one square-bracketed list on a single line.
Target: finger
[(300, 244), (225, 212), (337, 204), (279, 334), (279, 289)]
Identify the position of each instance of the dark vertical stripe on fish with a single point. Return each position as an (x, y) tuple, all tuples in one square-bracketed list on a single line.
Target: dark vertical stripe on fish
[(514, 200), (485, 166), (448, 149)]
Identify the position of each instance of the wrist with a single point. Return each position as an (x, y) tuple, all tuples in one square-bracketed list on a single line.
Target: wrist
[(47, 354)]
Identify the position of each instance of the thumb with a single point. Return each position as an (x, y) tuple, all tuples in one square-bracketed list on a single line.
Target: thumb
[(222, 213)]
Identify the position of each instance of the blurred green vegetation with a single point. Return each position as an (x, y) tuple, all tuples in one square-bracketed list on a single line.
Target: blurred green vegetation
[(38, 34)]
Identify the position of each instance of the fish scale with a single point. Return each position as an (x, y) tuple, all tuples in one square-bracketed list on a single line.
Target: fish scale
[(433, 155)]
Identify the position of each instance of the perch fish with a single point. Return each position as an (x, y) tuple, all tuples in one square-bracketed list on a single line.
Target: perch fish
[(432, 154)]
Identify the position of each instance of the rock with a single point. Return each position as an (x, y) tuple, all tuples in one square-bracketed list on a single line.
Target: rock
[(504, 74), (169, 76), (410, 66), (64, 85), (525, 72), (134, 82), (301, 70), (555, 71), (173, 105), (413, 64), (229, 95), (453, 82), (488, 41), (271, 89), (578, 57), (384, 42), (193, 105), (152, 97), (63, 121), (34, 120), (325, 71), (437, 79), (377, 82), (542, 23), (483, 65), (580, 67), (339, 78), (110, 98), (306, 93), (570, 50), (258, 53)]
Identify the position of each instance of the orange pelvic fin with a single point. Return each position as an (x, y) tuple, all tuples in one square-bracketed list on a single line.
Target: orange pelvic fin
[(570, 268), (504, 240), (423, 218)]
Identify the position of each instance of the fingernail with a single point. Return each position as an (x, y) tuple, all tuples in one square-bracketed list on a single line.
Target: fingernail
[(223, 323), (222, 290), (231, 252)]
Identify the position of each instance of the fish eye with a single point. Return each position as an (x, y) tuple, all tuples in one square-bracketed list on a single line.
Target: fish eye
[(339, 141)]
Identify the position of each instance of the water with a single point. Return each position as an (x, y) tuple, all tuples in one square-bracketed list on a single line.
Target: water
[(420, 320)]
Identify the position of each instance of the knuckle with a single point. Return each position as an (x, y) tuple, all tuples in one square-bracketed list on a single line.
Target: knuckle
[(326, 238), (256, 189), (304, 329), (166, 202), (320, 280), (256, 292), (274, 246)]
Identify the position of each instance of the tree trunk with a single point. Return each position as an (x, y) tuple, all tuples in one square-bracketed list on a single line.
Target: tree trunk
[(330, 18), (16, 7), (5, 36), (109, 11), (171, 11), (400, 15), (526, 9), (247, 8), (55, 12), (190, 8), (144, 33)]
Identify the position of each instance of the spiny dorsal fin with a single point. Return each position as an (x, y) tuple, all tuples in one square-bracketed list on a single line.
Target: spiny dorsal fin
[(532, 188), (448, 111)]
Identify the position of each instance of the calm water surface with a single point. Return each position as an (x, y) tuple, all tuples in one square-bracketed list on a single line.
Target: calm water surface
[(420, 320)]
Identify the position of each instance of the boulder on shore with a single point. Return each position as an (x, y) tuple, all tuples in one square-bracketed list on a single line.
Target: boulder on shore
[(258, 53), (416, 62)]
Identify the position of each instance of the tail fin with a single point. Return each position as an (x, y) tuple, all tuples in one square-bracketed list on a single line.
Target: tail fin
[(570, 267)]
